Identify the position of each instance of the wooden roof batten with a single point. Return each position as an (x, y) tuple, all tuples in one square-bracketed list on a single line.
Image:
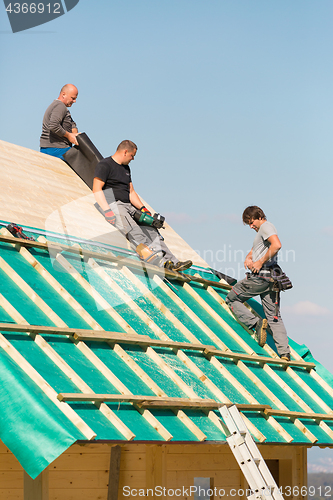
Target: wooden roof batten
[(170, 402), (146, 341), (158, 402), (109, 257)]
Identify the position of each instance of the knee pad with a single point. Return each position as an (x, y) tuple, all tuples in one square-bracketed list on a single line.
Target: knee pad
[(148, 255)]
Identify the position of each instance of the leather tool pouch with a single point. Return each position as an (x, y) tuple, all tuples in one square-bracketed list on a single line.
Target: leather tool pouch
[(281, 282)]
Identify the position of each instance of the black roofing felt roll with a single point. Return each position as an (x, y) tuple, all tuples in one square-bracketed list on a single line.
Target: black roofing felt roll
[(83, 159)]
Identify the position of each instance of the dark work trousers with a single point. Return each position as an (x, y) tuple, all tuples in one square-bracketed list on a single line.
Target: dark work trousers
[(136, 233), (250, 287)]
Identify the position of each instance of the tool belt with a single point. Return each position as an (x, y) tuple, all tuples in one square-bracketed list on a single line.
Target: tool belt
[(280, 283), (280, 280)]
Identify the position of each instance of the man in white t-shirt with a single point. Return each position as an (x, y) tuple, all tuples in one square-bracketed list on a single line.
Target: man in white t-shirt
[(260, 260)]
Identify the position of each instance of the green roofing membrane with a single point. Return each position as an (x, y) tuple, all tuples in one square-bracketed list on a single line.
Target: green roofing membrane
[(32, 427), (211, 322), (27, 308), (169, 387), (247, 383), (68, 282), (120, 369), (22, 399), (214, 375), (273, 386)]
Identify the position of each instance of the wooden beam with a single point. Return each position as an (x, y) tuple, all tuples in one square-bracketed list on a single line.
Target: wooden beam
[(77, 333), (114, 473), (194, 405), (146, 341), (109, 257), (121, 261), (261, 359), (127, 398), (36, 489), (298, 414), (159, 333), (207, 283), (153, 402), (232, 380), (156, 469)]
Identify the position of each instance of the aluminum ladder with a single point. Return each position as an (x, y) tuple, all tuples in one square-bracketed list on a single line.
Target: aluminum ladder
[(260, 480)]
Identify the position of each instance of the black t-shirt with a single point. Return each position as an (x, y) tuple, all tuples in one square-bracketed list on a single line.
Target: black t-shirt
[(117, 179)]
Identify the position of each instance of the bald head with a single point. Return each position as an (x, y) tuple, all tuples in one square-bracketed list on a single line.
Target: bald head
[(129, 145), (68, 94)]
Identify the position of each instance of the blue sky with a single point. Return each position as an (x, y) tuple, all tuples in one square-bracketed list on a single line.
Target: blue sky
[(230, 103)]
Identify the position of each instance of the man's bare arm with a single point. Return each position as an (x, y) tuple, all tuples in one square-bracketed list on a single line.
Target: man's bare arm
[(135, 198), (248, 263), (99, 193)]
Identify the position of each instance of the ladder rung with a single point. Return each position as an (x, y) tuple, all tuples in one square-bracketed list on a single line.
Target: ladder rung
[(245, 451), (239, 440)]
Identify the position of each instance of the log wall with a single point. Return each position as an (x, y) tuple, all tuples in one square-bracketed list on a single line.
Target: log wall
[(82, 473)]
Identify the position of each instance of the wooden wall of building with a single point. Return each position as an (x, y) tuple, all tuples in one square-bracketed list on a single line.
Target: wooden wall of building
[(82, 473)]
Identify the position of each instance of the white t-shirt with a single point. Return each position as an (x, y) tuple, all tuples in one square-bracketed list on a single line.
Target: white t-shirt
[(261, 245)]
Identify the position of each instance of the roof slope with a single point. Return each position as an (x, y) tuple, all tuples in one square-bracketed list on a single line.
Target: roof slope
[(123, 352), (44, 192)]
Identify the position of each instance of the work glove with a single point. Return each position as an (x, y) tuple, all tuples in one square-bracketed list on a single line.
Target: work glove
[(145, 210), (110, 217)]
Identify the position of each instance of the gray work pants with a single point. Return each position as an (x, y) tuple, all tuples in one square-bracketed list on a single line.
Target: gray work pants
[(250, 287), (136, 233)]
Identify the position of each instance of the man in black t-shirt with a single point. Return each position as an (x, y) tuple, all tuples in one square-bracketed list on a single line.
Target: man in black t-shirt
[(114, 192)]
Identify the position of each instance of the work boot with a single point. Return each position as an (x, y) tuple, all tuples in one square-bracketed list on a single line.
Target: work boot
[(169, 265), (181, 266), (285, 357), (260, 331)]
